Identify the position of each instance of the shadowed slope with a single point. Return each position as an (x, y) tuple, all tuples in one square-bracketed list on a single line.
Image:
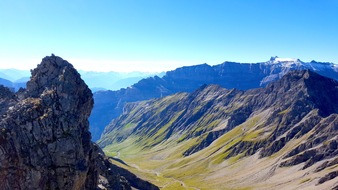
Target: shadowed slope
[(109, 104)]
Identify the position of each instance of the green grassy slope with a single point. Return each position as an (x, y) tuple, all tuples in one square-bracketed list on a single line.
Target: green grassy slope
[(282, 136)]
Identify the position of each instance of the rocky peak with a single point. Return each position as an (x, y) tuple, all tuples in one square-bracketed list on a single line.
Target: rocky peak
[(55, 76), (44, 137), (273, 58), (45, 142)]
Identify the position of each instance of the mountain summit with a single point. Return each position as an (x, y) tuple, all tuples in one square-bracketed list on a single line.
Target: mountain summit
[(45, 140), (277, 59)]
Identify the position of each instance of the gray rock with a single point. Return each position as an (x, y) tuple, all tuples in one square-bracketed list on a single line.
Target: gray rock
[(44, 137)]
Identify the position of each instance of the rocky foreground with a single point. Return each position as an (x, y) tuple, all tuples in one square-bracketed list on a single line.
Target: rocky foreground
[(44, 137)]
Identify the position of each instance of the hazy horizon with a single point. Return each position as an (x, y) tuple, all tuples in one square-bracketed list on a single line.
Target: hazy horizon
[(140, 71)]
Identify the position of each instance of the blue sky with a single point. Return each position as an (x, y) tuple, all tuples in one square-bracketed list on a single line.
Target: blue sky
[(156, 35)]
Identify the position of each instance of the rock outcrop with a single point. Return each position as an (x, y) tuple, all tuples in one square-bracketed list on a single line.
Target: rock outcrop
[(44, 138)]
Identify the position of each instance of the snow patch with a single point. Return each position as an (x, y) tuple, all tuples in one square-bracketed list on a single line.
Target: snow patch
[(335, 67), (286, 59), (286, 62)]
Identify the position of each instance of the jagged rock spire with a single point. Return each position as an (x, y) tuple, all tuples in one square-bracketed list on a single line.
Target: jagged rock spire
[(45, 142)]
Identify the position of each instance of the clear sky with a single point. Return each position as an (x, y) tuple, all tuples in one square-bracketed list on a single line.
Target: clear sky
[(156, 35)]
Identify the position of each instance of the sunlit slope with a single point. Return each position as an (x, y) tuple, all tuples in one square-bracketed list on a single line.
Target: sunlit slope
[(281, 136)]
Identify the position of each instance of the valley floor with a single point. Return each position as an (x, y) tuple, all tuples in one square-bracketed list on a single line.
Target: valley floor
[(164, 167)]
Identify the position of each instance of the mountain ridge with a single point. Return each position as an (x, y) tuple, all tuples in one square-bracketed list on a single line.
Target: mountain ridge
[(15, 78), (186, 79), (294, 119)]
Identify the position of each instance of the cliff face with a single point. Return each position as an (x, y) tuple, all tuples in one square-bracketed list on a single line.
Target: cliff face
[(44, 137)]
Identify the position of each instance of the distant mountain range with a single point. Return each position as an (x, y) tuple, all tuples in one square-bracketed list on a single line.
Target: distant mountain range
[(13, 85), (112, 80), (282, 136), (15, 75), (96, 81), (14, 78), (242, 76)]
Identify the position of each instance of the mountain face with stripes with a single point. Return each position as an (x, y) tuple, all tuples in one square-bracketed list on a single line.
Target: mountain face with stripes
[(242, 76), (281, 136)]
